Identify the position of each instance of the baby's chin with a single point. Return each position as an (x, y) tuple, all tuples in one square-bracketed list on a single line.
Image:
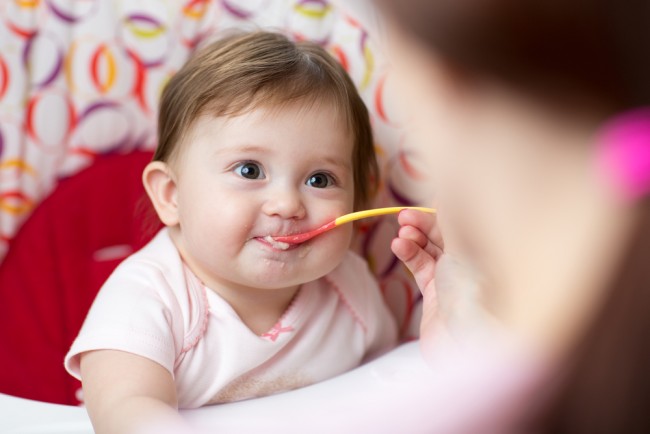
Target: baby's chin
[(273, 279), (277, 274), (262, 267)]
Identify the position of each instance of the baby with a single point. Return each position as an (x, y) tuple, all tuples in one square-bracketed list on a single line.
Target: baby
[(258, 137)]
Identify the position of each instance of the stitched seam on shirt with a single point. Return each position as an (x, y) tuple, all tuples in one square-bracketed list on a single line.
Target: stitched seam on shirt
[(347, 304), (192, 338), (136, 335)]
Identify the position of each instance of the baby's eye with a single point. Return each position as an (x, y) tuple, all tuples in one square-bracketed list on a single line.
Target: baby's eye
[(320, 180), (250, 170)]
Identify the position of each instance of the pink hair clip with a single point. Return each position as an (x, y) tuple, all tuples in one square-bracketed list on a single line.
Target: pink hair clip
[(624, 153)]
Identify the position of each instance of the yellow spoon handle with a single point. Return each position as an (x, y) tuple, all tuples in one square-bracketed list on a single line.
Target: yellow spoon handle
[(377, 212)]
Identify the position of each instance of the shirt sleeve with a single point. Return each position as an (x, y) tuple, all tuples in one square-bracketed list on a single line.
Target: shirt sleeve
[(133, 312)]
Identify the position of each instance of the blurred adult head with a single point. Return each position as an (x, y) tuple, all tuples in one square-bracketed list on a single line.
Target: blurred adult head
[(508, 98)]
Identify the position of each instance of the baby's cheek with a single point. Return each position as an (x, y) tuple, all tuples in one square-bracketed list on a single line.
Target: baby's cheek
[(222, 237), (229, 221)]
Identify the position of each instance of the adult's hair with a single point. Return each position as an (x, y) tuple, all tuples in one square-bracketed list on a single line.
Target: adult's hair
[(588, 53), (244, 71)]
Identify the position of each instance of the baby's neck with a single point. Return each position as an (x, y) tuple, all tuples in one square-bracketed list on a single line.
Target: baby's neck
[(259, 309)]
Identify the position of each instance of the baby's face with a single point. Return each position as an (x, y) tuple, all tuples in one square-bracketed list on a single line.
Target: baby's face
[(267, 172)]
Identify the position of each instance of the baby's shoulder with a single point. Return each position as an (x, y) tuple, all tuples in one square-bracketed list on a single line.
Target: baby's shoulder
[(153, 284), (157, 268)]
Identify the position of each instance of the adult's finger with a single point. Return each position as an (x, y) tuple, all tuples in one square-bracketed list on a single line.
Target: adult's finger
[(420, 263), (412, 233), (425, 222)]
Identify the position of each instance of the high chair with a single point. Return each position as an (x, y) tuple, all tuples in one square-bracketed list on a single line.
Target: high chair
[(79, 84)]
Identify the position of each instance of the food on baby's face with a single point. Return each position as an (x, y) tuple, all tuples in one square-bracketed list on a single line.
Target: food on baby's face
[(276, 244)]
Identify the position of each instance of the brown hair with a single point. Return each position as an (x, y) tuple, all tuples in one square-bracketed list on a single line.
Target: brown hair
[(592, 49), (587, 52), (244, 71)]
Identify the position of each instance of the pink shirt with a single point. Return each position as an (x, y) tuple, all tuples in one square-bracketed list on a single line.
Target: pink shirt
[(154, 306)]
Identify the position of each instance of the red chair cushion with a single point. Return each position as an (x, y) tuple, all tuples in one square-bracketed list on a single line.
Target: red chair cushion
[(57, 263)]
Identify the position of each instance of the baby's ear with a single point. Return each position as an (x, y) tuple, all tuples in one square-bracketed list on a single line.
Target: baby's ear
[(161, 188)]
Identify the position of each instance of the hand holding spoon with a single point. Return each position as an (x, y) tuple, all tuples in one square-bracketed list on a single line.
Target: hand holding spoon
[(347, 218)]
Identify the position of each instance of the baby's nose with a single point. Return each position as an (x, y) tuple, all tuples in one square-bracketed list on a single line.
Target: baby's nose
[(285, 203)]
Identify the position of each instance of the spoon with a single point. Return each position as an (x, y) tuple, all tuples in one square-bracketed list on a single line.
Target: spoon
[(347, 218)]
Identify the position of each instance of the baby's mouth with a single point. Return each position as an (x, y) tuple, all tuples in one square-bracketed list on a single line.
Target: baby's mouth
[(286, 242)]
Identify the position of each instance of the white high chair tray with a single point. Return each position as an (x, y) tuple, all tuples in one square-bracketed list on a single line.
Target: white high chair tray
[(21, 416)]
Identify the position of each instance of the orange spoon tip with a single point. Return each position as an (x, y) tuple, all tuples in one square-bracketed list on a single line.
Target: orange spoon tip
[(305, 236)]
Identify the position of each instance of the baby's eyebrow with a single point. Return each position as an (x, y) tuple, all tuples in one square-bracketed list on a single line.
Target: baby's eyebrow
[(336, 161), (243, 148)]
